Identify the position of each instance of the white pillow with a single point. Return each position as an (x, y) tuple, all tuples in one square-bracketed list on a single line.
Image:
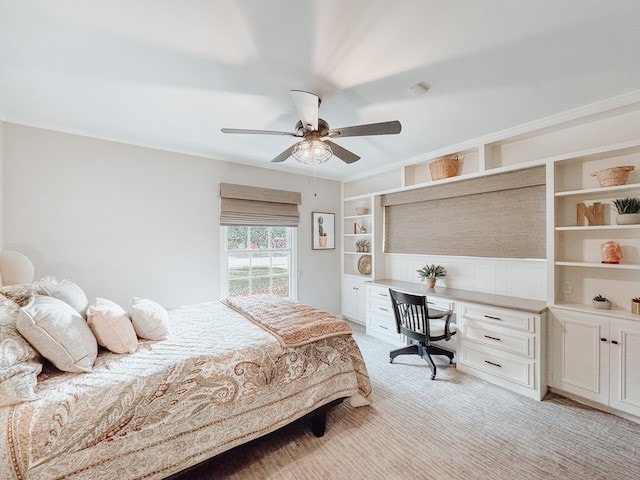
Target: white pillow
[(150, 320), (112, 327), (19, 365), (58, 333), (69, 293)]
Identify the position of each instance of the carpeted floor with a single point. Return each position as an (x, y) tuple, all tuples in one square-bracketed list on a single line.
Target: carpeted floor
[(456, 427)]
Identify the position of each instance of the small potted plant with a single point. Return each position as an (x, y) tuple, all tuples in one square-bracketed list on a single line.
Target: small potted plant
[(322, 235), (430, 273), (601, 302), (628, 210), (635, 305)]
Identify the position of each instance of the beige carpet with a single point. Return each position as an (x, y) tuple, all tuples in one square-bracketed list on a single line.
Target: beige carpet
[(456, 427)]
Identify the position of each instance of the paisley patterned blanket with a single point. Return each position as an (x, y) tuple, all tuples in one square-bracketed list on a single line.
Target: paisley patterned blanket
[(217, 382), (293, 323)]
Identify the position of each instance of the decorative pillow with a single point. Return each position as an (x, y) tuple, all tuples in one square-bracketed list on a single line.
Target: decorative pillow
[(58, 333), (112, 326), (22, 293), (150, 320), (69, 293), (19, 366)]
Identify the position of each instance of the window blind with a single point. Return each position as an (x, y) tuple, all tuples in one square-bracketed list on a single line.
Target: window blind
[(247, 205), (500, 216)]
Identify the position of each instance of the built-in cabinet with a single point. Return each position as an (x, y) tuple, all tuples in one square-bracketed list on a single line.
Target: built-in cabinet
[(597, 358), (595, 352), (503, 346), (354, 293)]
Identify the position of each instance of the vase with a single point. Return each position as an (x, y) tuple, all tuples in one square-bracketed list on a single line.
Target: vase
[(322, 241), (635, 307), (431, 282), (628, 219)]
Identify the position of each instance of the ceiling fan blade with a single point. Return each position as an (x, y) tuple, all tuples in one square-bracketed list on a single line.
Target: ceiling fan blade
[(261, 132), (382, 128), (307, 106), (342, 153), (284, 155)]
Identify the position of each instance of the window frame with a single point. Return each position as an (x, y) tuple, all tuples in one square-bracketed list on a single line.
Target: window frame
[(293, 255)]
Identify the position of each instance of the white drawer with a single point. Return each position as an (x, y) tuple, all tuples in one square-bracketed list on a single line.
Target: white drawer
[(500, 338), (380, 306), (518, 370), (499, 316), (382, 322), (380, 292)]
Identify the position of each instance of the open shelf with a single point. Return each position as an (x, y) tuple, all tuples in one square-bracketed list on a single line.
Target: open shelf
[(599, 190), (597, 227), (621, 266)]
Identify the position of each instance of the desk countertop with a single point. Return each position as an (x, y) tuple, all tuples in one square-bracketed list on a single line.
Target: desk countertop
[(514, 303)]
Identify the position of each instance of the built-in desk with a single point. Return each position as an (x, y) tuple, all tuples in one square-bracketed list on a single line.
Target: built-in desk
[(500, 338)]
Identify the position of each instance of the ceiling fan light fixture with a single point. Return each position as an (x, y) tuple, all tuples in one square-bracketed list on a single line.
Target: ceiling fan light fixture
[(312, 152)]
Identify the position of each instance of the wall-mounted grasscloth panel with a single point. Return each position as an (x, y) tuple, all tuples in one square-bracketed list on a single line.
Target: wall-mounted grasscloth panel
[(501, 224)]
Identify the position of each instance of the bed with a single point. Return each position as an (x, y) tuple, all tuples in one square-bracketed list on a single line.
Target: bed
[(221, 379)]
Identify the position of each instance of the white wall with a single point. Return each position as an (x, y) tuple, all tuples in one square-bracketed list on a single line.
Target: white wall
[(1, 176), (122, 220), (501, 276)]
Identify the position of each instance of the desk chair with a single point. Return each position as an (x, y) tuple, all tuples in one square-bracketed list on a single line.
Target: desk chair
[(422, 324)]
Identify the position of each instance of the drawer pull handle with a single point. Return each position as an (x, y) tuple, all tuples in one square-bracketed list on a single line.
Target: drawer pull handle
[(383, 294), (615, 342), (492, 338), (603, 339), (494, 364), (383, 327), (492, 317), (383, 309)]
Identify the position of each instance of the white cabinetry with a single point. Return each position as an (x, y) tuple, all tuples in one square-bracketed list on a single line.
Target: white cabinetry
[(354, 298), (380, 320), (502, 346), (597, 358)]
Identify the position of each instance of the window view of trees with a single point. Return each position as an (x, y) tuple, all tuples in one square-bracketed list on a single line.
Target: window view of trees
[(259, 260)]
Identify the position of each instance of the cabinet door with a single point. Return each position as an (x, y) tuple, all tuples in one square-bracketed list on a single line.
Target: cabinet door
[(361, 300), (625, 366), (581, 354), (349, 297)]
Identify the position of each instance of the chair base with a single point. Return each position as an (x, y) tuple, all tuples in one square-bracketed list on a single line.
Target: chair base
[(425, 351)]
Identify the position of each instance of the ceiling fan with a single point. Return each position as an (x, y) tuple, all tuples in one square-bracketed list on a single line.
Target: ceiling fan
[(316, 146)]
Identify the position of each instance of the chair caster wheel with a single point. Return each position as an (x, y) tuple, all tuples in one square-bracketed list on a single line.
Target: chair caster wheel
[(391, 360)]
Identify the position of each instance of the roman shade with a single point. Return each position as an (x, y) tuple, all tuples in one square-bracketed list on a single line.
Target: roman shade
[(499, 216), (246, 205)]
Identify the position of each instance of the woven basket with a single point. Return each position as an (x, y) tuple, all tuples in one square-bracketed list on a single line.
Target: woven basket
[(610, 177), (444, 168)]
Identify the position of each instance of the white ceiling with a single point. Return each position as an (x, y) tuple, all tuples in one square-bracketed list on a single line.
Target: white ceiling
[(170, 74)]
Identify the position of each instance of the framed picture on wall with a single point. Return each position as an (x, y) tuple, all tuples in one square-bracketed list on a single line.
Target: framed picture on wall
[(323, 236)]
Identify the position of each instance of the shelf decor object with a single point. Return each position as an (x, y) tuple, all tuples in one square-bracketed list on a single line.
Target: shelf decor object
[(610, 177), (444, 168), (364, 265), (362, 211), (611, 252), (601, 303), (594, 215), (635, 305), (628, 210)]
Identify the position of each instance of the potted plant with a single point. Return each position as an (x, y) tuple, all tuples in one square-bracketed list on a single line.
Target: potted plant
[(601, 302), (635, 305), (430, 273), (322, 235), (628, 210)]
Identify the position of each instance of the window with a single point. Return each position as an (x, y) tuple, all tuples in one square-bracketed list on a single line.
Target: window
[(259, 260)]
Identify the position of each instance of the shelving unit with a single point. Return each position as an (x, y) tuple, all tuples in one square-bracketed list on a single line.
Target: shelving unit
[(579, 274)]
